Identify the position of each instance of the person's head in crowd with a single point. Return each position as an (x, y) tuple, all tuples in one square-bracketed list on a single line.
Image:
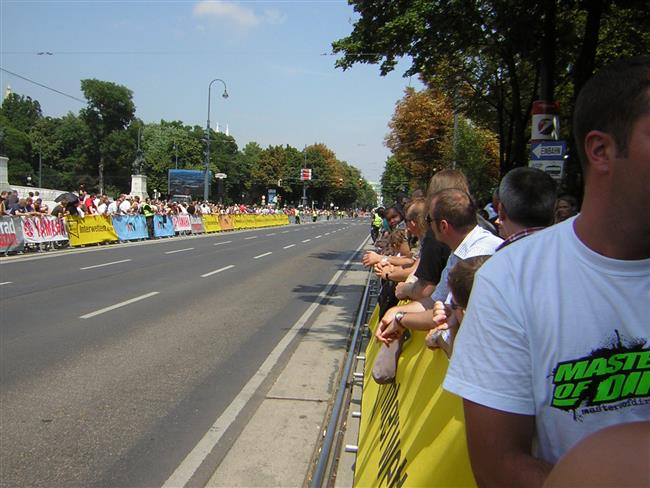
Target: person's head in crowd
[(31, 194), (447, 178), (526, 200), (611, 122), (566, 207), (417, 193), (460, 281), (415, 213), (398, 243), (452, 216), (393, 216)]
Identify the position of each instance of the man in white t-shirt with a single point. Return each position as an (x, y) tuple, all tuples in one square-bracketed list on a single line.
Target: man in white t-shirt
[(555, 341)]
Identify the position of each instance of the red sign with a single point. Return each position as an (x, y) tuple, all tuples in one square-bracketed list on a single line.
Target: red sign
[(305, 174)]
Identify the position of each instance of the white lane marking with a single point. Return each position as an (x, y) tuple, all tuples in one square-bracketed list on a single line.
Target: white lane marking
[(262, 255), (6, 283), (107, 264), (306, 240), (318, 237), (180, 250), (247, 238), (118, 305), (271, 234), (287, 247), (285, 232), (195, 458), (217, 271), (220, 243), (327, 233)]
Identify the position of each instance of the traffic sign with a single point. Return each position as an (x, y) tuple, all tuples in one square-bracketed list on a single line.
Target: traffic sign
[(555, 169), (305, 174), (548, 150)]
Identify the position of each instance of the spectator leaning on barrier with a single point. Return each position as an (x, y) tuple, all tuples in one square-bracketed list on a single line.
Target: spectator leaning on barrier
[(3, 199), (554, 344), (453, 220), (526, 203)]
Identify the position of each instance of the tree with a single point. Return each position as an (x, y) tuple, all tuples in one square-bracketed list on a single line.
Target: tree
[(110, 110), (21, 112), (491, 66), (419, 125), (394, 180)]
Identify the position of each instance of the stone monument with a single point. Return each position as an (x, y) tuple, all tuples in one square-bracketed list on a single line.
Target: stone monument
[(138, 179)]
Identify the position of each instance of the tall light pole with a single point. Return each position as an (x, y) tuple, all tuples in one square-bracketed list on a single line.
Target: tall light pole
[(176, 151), (206, 178)]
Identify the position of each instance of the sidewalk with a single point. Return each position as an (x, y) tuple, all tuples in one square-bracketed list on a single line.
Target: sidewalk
[(280, 443)]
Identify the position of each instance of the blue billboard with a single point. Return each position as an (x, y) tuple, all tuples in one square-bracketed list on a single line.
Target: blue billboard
[(187, 182)]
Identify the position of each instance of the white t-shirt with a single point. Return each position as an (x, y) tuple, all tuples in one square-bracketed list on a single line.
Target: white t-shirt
[(125, 206), (112, 208), (560, 332)]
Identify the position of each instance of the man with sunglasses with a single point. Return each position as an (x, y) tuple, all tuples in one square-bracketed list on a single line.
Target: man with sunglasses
[(452, 218)]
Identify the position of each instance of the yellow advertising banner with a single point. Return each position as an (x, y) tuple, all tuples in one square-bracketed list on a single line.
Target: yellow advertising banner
[(211, 223), (90, 229), (412, 432), (226, 223)]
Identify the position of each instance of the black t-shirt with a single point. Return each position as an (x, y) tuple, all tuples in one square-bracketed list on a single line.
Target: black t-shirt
[(433, 259)]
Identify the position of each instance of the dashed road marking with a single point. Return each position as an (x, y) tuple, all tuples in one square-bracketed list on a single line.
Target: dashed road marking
[(217, 271), (118, 305), (106, 264)]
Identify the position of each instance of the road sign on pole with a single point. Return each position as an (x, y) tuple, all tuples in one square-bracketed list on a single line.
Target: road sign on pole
[(547, 150)]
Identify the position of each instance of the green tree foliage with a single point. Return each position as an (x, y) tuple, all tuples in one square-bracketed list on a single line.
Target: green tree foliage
[(495, 57), (394, 180), (109, 112), (21, 112)]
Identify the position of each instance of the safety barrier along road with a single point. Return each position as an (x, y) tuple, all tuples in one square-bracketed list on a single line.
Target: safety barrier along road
[(16, 232), (412, 432)]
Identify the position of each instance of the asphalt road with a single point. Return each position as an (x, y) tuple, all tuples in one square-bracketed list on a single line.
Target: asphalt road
[(115, 361)]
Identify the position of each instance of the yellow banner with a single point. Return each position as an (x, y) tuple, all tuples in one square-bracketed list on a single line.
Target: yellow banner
[(226, 223), (91, 229), (211, 223), (412, 432)]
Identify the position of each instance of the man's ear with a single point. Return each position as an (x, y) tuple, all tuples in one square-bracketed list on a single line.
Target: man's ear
[(600, 150), (501, 212)]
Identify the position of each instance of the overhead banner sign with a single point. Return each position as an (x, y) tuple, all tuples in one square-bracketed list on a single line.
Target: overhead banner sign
[(163, 226), (11, 235), (130, 227), (43, 229), (91, 229)]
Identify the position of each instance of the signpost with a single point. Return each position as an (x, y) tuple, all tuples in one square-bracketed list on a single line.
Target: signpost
[(549, 157)]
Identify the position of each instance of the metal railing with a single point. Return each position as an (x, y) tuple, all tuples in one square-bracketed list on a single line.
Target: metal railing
[(325, 464)]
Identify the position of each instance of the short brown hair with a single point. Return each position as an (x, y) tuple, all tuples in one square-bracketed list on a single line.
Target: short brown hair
[(612, 101), (461, 278), (415, 210), (456, 207), (447, 178)]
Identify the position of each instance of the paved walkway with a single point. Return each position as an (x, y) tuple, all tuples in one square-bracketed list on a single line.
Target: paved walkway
[(279, 446)]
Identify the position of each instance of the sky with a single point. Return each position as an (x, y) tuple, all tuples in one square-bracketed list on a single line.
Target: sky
[(274, 56)]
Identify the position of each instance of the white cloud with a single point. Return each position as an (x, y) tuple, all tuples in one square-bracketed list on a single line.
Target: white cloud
[(233, 12)]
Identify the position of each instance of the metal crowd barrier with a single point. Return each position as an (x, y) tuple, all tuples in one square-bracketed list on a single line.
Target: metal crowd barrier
[(333, 434)]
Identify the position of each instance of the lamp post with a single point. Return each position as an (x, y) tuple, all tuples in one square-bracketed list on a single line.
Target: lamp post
[(206, 180), (176, 151)]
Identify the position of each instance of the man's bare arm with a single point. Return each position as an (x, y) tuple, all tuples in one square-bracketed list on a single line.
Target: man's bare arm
[(499, 446)]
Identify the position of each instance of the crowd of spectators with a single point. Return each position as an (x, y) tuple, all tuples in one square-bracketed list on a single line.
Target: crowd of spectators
[(553, 300)]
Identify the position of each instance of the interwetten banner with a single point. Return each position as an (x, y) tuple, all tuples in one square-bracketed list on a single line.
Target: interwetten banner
[(211, 223), (11, 235), (182, 223), (130, 227), (412, 432), (43, 229), (163, 226), (91, 229)]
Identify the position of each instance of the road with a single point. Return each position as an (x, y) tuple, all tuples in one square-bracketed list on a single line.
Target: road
[(114, 361)]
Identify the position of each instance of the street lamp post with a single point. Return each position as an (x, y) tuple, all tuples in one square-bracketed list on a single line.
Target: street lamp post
[(40, 167), (176, 151), (206, 179)]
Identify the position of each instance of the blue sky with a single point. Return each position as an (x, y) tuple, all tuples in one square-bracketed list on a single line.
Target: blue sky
[(283, 86)]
